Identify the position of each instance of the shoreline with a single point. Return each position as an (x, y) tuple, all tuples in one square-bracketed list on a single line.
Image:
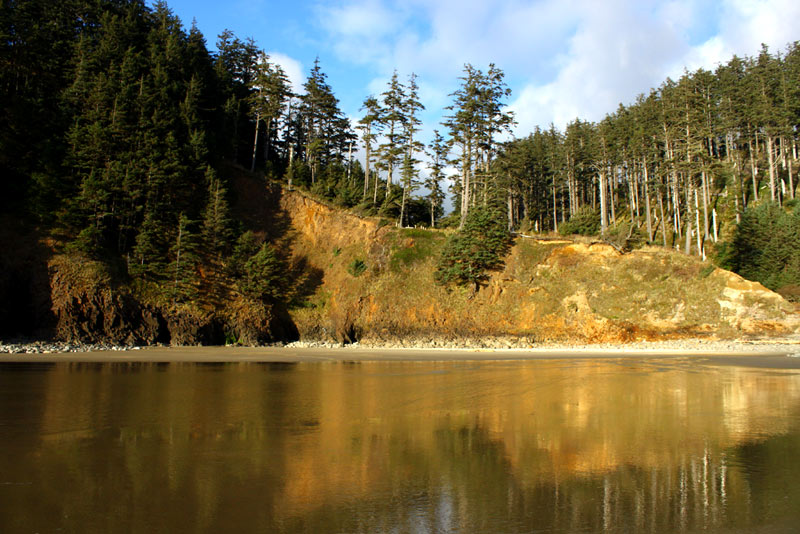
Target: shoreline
[(773, 353)]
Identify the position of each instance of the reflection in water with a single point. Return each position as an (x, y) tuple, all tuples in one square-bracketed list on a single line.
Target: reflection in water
[(399, 447)]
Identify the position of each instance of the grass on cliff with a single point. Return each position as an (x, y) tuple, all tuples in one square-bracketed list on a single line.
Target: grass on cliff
[(547, 290), (412, 246)]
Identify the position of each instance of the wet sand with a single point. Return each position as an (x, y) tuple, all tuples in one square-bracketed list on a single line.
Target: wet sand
[(767, 355)]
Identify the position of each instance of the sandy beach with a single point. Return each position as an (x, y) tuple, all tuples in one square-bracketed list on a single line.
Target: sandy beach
[(784, 354)]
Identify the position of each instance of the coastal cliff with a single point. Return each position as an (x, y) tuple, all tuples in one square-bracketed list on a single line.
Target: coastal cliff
[(549, 290), (361, 279)]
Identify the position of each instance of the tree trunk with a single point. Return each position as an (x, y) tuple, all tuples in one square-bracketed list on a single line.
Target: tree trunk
[(771, 165), (268, 139), (291, 160), (403, 208), (688, 231), (663, 219), (612, 193), (366, 165), (714, 223), (647, 202), (753, 172), (792, 159), (676, 205), (603, 204), (465, 182), (349, 162), (255, 144), (555, 207), (704, 185), (701, 251)]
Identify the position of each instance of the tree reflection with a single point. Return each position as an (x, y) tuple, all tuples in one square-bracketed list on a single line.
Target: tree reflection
[(400, 447)]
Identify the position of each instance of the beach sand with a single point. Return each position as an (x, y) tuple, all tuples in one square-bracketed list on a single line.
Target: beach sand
[(778, 355)]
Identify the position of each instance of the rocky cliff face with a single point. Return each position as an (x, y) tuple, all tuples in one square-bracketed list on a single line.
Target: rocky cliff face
[(359, 279), (548, 291)]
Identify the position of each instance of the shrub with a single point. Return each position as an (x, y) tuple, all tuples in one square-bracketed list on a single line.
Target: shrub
[(626, 236), (478, 247), (264, 275), (585, 221), (765, 246), (357, 267)]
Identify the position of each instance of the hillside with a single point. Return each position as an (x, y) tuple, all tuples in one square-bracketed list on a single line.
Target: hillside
[(548, 291), (360, 279)]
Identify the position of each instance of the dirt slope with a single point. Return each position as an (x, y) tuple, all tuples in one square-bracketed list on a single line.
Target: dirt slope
[(548, 291)]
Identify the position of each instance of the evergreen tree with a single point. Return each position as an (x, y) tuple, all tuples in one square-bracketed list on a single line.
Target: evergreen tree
[(411, 122), (326, 130), (437, 152), (392, 149), (265, 276), (216, 221), (183, 267), (479, 246), (370, 125)]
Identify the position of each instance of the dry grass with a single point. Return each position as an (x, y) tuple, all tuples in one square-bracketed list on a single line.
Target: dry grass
[(547, 291)]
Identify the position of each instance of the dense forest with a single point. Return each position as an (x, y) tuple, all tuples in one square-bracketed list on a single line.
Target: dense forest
[(706, 164), (119, 128)]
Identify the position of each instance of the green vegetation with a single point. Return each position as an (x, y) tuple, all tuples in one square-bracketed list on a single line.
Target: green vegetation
[(265, 276), (766, 247), (122, 132), (585, 221), (126, 142), (478, 247), (357, 267), (413, 245)]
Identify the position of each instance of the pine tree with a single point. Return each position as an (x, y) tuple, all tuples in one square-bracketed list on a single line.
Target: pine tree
[(183, 267), (411, 107), (392, 149), (478, 247), (265, 276), (437, 152), (216, 220), (326, 130), (370, 125)]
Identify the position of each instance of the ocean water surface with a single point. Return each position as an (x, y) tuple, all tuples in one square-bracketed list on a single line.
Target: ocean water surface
[(563, 445)]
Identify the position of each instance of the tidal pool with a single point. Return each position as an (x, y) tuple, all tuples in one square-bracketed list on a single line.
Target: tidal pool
[(565, 445)]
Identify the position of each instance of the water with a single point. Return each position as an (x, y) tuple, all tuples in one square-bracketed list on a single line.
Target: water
[(670, 445)]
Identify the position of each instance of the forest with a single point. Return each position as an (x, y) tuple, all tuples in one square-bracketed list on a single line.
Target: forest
[(119, 128)]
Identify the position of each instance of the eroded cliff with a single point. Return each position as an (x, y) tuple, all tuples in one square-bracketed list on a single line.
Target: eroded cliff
[(548, 291)]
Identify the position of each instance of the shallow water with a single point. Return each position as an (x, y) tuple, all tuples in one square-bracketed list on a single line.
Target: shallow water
[(610, 445)]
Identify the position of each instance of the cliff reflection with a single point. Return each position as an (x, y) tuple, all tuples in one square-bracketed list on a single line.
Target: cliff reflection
[(411, 447)]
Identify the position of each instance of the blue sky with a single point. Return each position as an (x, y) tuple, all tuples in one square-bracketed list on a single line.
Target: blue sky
[(562, 58)]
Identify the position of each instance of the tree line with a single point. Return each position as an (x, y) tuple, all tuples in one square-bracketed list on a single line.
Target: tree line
[(680, 163), (117, 122)]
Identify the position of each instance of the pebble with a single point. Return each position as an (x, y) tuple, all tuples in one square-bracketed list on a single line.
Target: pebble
[(49, 347), (679, 345), (41, 347)]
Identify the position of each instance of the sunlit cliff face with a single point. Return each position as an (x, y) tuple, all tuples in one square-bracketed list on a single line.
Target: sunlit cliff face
[(549, 290), (307, 441)]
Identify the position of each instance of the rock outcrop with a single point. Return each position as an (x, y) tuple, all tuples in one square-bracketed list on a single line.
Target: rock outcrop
[(556, 291)]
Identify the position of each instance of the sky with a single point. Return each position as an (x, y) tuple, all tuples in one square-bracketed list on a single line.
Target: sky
[(563, 59)]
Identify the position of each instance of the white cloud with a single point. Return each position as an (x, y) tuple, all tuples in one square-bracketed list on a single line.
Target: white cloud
[(292, 68), (620, 51), (562, 58)]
